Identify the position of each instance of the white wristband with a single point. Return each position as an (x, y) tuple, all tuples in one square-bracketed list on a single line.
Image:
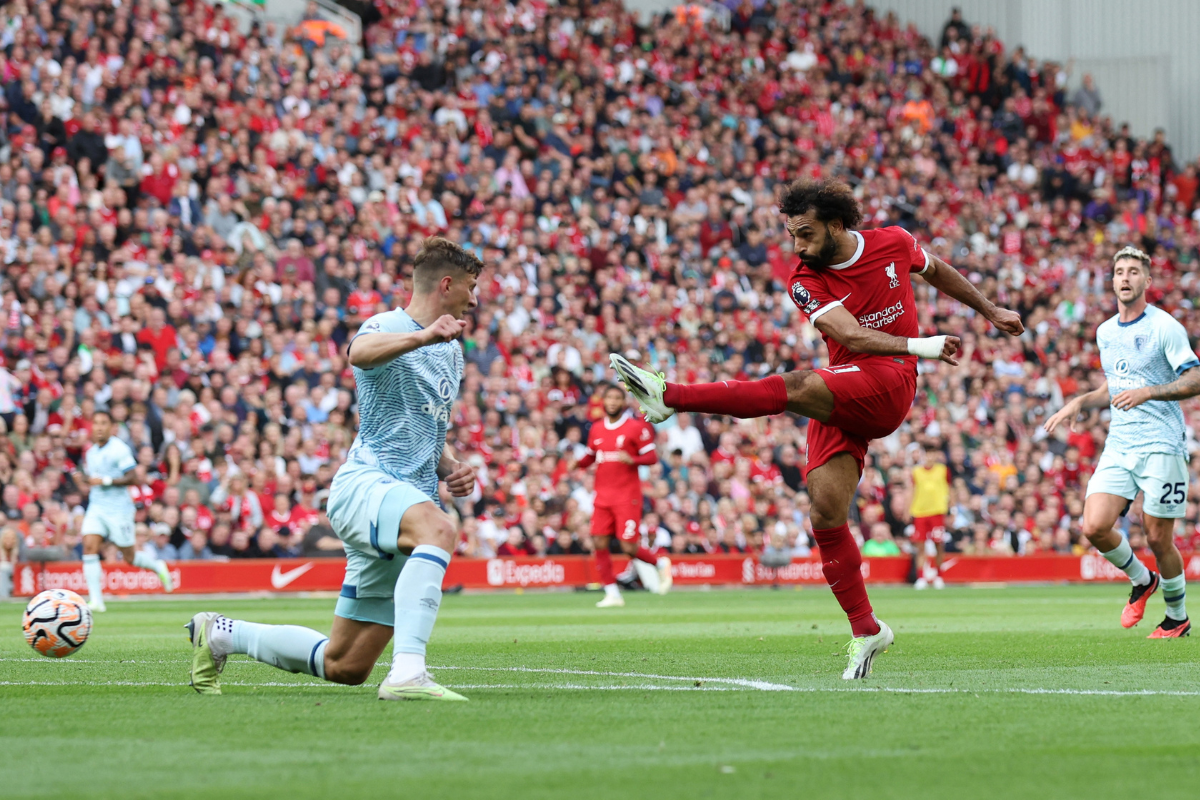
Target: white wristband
[(929, 347), (106, 481)]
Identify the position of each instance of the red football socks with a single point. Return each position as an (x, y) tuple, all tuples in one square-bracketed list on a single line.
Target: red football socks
[(604, 566), (841, 562), (742, 399), (644, 554)]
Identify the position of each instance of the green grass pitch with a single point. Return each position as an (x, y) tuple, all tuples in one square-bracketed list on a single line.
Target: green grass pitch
[(1017, 692)]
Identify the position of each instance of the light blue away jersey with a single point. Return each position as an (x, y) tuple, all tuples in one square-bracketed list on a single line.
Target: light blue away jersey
[(404, 406), (112, 460), (1151, 350)]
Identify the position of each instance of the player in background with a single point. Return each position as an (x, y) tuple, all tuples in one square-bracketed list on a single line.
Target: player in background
[(407, 368), (1149, 366), (618, 445), (930, 503), (854, 287), (110, 470)]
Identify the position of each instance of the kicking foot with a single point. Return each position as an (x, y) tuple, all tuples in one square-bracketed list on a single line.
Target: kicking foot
[(422, 687), (862, 651), (647, 388), (1172, 629), (1135, 609), (164, 575), (664, 575), (611, 601), (206, 664), (97, 606)]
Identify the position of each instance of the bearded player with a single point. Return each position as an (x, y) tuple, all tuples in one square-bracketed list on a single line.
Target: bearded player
[(619, 444), (1149, 366), (854, 287)]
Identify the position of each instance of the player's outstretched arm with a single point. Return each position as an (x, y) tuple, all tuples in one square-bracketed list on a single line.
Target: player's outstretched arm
[(370, 350), (1185, 386), (840, 325), (1069, 413), (948, 280)]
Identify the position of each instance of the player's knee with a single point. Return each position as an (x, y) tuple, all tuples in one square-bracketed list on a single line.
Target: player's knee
[(825, 514), (1093, 531), (347, 674), (439, 531), (427, 525), (1160, 538)]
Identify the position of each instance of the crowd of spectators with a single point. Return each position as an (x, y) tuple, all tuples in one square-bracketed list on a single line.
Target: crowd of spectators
[(194, 220)]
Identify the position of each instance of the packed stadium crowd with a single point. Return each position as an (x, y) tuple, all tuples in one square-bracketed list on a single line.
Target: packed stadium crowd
[(194, 222)]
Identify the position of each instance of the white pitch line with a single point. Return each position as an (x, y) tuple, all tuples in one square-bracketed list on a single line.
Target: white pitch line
[(652, 687), (324, 685), (745, 682), (732, 682)]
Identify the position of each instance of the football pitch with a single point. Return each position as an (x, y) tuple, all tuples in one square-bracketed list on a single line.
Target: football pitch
[(991, 692)]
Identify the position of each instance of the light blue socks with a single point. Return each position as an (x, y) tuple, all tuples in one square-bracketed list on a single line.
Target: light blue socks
[(288, 647), (93, 574), (1122, 558), (1174, 594), (418, 596)]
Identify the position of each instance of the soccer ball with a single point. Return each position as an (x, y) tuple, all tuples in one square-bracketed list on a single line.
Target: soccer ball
[(57, 623)]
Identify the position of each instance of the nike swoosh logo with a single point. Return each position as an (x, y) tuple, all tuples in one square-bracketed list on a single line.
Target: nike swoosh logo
[(844, 298), (280, 579)]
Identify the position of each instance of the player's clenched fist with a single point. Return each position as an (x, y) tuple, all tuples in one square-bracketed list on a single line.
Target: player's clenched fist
[(461, 480), (949, 349), (1008, 321), (445, 329)]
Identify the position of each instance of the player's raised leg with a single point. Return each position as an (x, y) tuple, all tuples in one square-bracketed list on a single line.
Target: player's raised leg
[(832, 486), (1100, 513), (743, 399)]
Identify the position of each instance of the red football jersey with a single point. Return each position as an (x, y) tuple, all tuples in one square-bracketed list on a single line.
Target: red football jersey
[(617, 482), (873, 286)]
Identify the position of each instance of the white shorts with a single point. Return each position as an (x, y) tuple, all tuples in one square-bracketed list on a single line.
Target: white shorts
[(1161, 477), (114, 526)]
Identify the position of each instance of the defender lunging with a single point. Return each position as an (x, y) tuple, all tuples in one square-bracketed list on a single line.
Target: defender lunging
[(407, 367)]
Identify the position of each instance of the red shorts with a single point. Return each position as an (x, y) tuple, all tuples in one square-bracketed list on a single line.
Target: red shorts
[(619, 520), (871, 398), (925, 528)]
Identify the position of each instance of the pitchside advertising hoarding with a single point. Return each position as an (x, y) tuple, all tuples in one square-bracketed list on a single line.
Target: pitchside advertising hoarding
[(325, 575)]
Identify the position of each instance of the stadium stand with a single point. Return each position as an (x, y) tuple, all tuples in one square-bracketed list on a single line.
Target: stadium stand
[(195, 218)]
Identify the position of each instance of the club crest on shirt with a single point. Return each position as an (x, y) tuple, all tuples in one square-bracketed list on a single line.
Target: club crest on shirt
[(621, 441), (1139, 342), (893, 281)]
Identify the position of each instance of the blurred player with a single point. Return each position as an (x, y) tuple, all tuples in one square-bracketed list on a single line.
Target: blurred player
[(407, 367), (854, 287), (1148, 362), (930, 502), (619, 444), (111, 469)]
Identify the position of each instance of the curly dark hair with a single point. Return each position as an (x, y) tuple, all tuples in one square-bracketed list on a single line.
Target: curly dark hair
[(439, 257), (827, 199)]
